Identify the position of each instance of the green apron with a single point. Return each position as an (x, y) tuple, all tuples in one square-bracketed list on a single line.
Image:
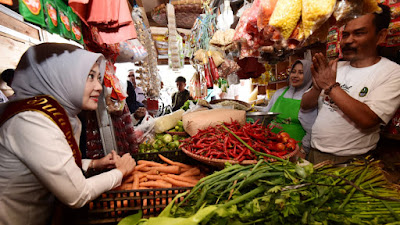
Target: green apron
[(288, 117)]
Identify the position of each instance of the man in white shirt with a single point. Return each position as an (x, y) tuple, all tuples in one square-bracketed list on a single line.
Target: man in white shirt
[(140, 96), (355, 96)]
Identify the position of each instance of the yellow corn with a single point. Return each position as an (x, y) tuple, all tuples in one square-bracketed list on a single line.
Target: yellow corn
[(314, 13), (285, 16)]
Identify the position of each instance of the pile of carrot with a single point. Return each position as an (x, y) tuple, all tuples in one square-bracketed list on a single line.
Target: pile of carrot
[(149, 174)]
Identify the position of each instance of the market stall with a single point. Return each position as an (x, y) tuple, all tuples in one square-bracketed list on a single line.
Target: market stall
[(219, 161)]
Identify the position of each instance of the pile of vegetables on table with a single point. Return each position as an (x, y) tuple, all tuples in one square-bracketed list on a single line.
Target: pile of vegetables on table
[(282, 192), (232, 141), (161, 143)]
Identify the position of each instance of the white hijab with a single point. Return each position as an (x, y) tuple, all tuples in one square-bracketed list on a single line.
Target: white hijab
[(59, 70)]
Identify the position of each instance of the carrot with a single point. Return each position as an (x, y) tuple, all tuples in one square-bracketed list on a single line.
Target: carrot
[(126, 186), (168, 169), (177, 182), (143, 179), (135, 184), (152, 172), (144, 169), (149, 163), (139, 167), (128, 179), (183, 178), (165, 159), (192, 172), (155, 184), (154, 177)]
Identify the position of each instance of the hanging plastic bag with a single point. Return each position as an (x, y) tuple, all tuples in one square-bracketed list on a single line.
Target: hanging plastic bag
[(131, 51), (315, 13), (347, 9), (225, 19), (76, 26), (265, 12), (245, 6), (32, 11), (285, 16), (50, 10)]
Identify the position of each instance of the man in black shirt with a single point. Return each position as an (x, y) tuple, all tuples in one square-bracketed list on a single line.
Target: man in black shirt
[(182, 95)]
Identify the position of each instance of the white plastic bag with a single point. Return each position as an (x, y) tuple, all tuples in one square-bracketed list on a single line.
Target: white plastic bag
[(225, 19)]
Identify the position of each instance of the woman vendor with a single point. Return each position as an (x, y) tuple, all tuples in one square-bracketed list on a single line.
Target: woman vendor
[(39, 156), (286, 101)]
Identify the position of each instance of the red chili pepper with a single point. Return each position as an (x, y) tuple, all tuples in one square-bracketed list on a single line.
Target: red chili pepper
[(208, 76)]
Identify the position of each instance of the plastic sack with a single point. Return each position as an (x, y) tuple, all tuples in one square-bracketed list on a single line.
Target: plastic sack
[(131, 51), (225, 19), (315, 13), (347, 9), (246, 5), (371, 6), (265, 11), (285, 16), (223, 39), (124, 132), (145, 132)]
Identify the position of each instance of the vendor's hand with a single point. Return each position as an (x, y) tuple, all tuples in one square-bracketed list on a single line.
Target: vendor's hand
[(107, 162), (300, 154), (315, 85), (323, 72), (125, 164), (140, 113)]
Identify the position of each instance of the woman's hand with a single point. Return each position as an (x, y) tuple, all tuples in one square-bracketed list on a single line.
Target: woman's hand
[(125, 164), (107, 162)]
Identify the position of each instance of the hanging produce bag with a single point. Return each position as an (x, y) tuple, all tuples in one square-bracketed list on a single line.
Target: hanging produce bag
[(32, 11), (265, 12), (315, 13), (131, 51), (285, 16), (63, 19), (76, 26), (50, 9)]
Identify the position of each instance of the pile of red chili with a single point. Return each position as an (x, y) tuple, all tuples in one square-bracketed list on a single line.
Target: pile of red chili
[(218, 143)]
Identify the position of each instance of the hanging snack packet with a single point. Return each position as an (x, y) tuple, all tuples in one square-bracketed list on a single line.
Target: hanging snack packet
[(371, 6), (285, 16), (63, 19), (32, 11), (50, 10), (346, 10), (265, 12), (76, 26), (315, 13)]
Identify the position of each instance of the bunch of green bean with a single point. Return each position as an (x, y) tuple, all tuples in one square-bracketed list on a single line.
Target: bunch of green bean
[(285, 193)]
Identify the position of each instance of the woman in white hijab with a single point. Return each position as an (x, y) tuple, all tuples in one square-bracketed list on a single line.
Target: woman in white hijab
[(286, 101), (39, 157)]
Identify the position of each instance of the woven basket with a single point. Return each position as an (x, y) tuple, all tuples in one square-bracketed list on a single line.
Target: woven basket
[(186, 13), (220, 163)]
